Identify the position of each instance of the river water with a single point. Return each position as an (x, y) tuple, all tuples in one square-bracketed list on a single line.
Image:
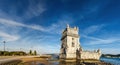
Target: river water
[(115, 61)]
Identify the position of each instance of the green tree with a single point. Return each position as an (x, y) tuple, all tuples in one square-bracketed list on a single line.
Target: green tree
[(30, 52), (6, 53), (1, 53), (35, 53)]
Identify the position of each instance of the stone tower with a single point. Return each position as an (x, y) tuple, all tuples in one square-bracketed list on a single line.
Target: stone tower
[(69, 43)]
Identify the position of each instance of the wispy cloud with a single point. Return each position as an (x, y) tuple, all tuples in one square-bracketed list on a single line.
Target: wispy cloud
[(110, 50), (50, 49), (22, 11), (34, 9), (95, 40), (25, 39), (56, 27), (14, 23), (8, 37), (88, 11), (92, 40), (60, 24), (93, 28)]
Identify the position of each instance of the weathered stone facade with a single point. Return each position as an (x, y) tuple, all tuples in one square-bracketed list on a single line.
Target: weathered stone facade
[(71, 48), (90, 55)]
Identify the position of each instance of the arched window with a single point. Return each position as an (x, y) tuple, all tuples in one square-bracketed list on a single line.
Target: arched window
[(73, 44)]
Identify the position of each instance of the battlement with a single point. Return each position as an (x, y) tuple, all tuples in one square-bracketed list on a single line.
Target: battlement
[(69, 31), (90, 55), (95, 51)]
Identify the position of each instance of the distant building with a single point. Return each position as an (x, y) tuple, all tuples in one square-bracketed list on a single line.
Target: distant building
[(71, 48)]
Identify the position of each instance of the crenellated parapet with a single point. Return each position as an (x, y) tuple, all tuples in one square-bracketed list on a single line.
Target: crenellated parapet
[(73, 32)]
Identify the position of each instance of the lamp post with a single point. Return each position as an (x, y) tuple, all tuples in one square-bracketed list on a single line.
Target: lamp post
[(4, 45)]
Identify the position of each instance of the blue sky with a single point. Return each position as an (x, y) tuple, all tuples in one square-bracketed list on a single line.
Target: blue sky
[(37, 24)]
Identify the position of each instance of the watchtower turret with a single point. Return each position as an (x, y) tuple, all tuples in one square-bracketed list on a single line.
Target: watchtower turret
[(70, 42)]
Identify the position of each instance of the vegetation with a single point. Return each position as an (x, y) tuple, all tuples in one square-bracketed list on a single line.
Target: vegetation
[(30, 52), (17, 53), (110, 55), (35, 53), (12, 53)]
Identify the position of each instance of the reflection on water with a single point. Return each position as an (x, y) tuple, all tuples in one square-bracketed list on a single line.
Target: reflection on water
[(51, 63), (115, 62), (68, 63), (34, 63)]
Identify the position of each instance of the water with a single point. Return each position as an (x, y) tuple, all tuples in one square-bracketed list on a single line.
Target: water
[(115, 61), (50, 63)]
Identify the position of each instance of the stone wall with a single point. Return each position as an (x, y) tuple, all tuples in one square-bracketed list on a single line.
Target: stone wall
[(71, 55), (90, 55)]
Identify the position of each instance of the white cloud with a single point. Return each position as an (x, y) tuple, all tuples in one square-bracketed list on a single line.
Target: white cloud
[(31, 10), (106, 41), (10, 22), (25, 42), (89, 37), (92, 29), (34, 9), (94, 40), (60, 24), (8, 37), (14, 23), (56, 27), (47, 49), (35, 27), (110, 50)]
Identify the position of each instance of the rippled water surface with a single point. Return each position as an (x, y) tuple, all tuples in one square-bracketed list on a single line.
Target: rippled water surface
[(115, 61), (49, 63)]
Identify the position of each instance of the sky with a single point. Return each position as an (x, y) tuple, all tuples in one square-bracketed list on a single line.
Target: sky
[(38, 24)]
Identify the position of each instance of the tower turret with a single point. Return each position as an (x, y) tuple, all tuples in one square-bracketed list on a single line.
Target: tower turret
[(67, 25), (70, 42)]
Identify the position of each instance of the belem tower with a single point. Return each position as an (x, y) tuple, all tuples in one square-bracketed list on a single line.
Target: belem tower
[(71, 48)]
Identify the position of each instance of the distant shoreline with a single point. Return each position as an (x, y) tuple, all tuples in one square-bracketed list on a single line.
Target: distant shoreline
[(110, 56)]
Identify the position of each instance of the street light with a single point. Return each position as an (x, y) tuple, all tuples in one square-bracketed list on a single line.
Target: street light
[(4, 45)]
